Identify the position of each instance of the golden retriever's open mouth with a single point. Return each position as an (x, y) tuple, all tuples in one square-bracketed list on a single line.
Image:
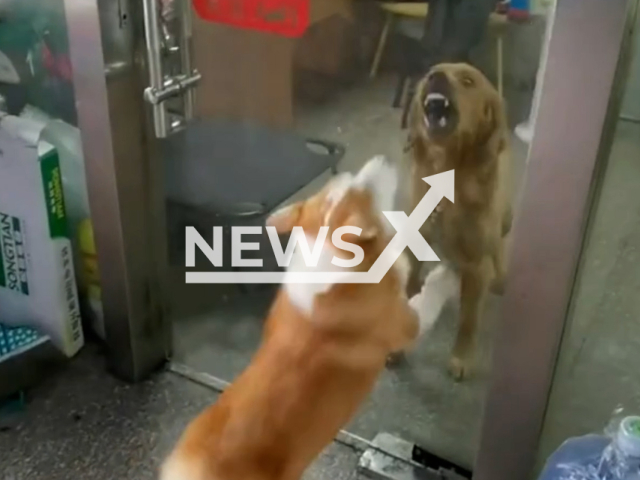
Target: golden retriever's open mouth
[(440, 112)]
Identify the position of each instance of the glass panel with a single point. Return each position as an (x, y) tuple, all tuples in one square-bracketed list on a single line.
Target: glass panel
[(598, 364), (631, 102), (344, 84)]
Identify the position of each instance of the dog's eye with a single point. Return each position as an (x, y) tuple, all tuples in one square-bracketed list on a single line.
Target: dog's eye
[(467, 81)]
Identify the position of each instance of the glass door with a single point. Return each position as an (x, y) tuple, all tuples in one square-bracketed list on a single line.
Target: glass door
[(276, 115), (276, 108), (564, 352), (597, 371), (254, 111)]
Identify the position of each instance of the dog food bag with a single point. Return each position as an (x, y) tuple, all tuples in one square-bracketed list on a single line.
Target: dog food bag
[(614, 455), (37, 278), (67, 141)]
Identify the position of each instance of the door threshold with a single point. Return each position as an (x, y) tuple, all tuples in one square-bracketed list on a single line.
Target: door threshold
[(394, 458)]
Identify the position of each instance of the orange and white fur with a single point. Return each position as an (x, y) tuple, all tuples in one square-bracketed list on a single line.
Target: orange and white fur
[(324, 345)]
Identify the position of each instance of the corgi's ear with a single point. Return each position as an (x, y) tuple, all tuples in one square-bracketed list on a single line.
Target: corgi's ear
[(285, 218), (380, 177)]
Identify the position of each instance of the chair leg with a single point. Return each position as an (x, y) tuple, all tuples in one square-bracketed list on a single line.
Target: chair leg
[(407, 92), (405, 116), (500, 65), (399, 93), (411, 90), (381, 44)]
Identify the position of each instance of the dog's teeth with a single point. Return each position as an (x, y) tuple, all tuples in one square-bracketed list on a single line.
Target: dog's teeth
[(436, 96), (446, 103), (443, 122)]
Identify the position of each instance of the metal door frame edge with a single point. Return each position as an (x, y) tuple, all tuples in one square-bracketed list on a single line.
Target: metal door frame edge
[(579, 106)]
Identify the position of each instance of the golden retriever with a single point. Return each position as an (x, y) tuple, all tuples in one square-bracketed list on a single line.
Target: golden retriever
[(457, 121)]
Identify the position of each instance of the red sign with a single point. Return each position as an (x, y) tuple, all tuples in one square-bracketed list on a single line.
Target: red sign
[(289, 18)]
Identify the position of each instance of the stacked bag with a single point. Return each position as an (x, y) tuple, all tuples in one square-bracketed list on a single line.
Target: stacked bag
[(44, 229)]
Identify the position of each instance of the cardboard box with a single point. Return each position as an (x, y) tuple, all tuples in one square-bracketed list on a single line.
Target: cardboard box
[(327, 47), (248, 75)]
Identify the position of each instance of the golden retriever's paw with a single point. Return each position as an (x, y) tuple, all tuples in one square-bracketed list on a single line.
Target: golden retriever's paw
[(498, 285), (459, 368)]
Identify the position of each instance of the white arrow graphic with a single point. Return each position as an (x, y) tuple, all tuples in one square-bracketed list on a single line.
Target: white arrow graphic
[(408, 235)]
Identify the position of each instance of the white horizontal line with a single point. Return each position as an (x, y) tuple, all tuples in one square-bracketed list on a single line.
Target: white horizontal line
[(281, 277)]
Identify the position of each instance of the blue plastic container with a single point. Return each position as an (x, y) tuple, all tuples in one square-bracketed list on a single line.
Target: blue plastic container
[(598, 457), (519, 9), (520, 5)]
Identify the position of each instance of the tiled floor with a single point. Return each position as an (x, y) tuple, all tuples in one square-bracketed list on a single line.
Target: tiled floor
[(85, 424)]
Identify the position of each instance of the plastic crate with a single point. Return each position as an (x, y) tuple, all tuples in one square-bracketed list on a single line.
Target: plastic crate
[(14, 340)]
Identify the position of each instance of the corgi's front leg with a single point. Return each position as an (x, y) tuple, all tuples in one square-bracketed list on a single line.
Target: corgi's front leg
[(441, 285)]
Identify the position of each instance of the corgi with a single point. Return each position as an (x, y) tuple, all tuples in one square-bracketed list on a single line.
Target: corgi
[(323, 347)]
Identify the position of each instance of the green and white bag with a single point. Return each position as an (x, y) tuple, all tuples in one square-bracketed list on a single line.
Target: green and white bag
[(37, 280)]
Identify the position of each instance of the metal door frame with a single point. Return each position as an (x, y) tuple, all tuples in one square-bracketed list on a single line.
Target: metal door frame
[(106, 46), (125, 192)]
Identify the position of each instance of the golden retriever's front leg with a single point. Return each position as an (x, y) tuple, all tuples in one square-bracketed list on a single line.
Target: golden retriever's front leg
[(414, 284), (499, 270), (416, 273), (475, 280), (499, 253)]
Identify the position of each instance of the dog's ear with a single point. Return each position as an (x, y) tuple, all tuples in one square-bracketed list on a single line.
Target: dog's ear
[(380, 178), (417, 138), (357, 210), (416, 112), (492, 127), (286, 218)]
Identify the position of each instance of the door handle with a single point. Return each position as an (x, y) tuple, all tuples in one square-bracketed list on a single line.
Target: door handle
[(172, 79)]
